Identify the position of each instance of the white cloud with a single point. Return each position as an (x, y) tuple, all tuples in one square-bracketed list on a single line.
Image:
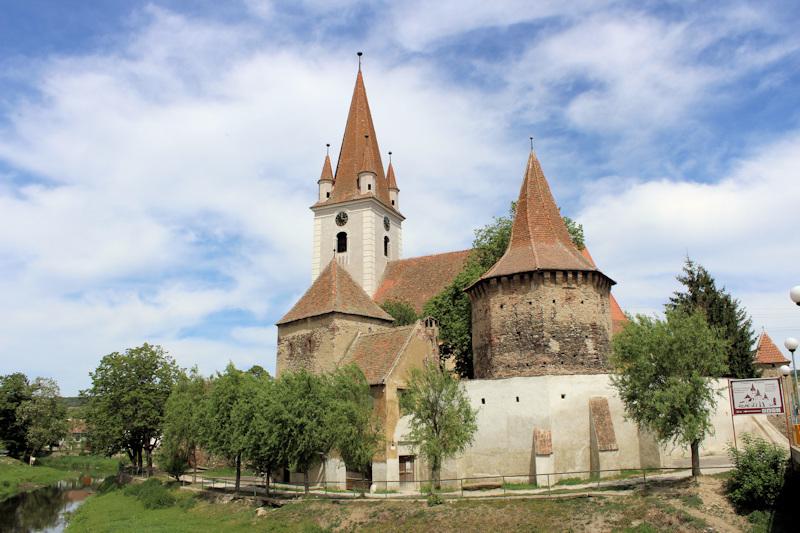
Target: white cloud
[(741, 228)]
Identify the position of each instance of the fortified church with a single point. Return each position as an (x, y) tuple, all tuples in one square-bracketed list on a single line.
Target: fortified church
[(542, 321)]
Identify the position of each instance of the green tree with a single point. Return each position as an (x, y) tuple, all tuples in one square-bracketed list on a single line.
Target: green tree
[(402, 312), (14, 390), (173, 458), (44, 416), (443, 423), (183, 422), (452, 308), (723, 312), (662, 369), (257, 420), (125, 404), (299, 412), (354, 428), (223, 434)]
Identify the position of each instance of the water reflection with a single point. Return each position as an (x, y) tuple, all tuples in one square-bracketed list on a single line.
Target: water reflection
[(43, 510)]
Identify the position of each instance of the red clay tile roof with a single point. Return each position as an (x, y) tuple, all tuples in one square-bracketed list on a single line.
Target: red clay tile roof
[(539, 237), (391, 178), (418, 279), (327, 173), (767, 353), (376, 353), (334, 291), (359, 134), (618, 318)]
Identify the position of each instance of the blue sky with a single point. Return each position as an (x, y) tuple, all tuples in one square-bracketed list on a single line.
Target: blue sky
[(157, 159)]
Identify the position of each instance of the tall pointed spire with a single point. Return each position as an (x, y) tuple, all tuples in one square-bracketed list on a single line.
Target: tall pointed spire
[(539, 237), (368, 162), (390, 176), (327, 171), (358, 143)]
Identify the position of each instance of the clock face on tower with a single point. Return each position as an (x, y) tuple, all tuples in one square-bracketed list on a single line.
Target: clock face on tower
[(386, 223), (341, 218)]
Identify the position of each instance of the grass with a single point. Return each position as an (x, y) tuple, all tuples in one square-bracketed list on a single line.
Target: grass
[(226, 471), (520, 486), (16, 477), (118, 511), (573, 481), (93, 465)]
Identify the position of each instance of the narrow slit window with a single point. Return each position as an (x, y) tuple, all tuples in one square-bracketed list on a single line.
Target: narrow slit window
[(386, 246)]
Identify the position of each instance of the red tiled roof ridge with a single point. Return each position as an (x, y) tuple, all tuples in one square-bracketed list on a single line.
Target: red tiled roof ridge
[(767, 352), (539, 238), (334, 292), (430, 255)]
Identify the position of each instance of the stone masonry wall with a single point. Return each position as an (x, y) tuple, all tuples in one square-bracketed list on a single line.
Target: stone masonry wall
[(318, 343), (541, 323)]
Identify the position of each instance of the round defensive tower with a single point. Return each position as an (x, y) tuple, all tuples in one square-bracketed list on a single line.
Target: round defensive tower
[(543, 308)]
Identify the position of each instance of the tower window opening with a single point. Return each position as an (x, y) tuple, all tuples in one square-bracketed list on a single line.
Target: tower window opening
[(327, 195), (386, 246), (392, 202), (483, 401), (369, 186), (341, 242)]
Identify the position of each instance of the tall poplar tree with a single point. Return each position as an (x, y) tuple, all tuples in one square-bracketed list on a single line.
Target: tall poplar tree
[(723, 313)]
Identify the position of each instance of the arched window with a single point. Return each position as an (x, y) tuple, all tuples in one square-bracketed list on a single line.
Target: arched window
[(386, 246), (341, 242)]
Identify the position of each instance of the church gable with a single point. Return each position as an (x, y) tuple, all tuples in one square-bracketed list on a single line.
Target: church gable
[(334, 291)]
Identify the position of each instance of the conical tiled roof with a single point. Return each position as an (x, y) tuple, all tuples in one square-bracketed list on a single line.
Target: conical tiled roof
[(539, 237), (327, 172), (768, 353), (334, 291), (368, 161), (359, 134), (391, 179)]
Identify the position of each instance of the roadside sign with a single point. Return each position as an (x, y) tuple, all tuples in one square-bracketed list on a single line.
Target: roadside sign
[(760, 396)]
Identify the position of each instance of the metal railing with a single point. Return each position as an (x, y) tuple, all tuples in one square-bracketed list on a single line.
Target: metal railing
[(550, 484)]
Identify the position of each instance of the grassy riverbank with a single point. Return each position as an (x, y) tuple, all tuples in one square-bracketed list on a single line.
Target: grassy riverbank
[(679, 506), (16, 476)]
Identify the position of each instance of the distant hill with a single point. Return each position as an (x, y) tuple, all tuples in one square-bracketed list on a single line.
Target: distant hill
[(73, 402)]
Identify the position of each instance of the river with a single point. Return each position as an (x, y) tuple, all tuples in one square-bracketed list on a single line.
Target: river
[(43, 510)]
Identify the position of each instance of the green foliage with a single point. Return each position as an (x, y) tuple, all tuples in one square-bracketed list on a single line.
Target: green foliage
[(255, 420), (443, 423), (662, 369), (402, 312), (44, 416), (223, 433), (434, 499), (452, 308), (173, 459), (299, 414), (108, 484), (152, 494), (575, 232), (184, 416), (32, 416), (723, 312), (758, 477), (125, 404), (354, 427)]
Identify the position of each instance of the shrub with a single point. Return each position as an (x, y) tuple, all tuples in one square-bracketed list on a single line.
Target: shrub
[(434, 499), (152, 494), (108, 484), (757, 478)]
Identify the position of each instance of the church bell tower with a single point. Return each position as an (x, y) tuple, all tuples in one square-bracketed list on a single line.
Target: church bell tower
[(357, 220)]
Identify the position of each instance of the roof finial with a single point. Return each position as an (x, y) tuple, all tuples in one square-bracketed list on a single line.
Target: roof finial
[(359, 54), (390, 157), (328, 149), (531, 138)]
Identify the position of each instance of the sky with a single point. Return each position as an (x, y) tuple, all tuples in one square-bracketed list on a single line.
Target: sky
[(158, 159)]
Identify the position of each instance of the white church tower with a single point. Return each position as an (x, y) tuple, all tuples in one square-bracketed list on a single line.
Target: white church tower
[(357, 218)]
